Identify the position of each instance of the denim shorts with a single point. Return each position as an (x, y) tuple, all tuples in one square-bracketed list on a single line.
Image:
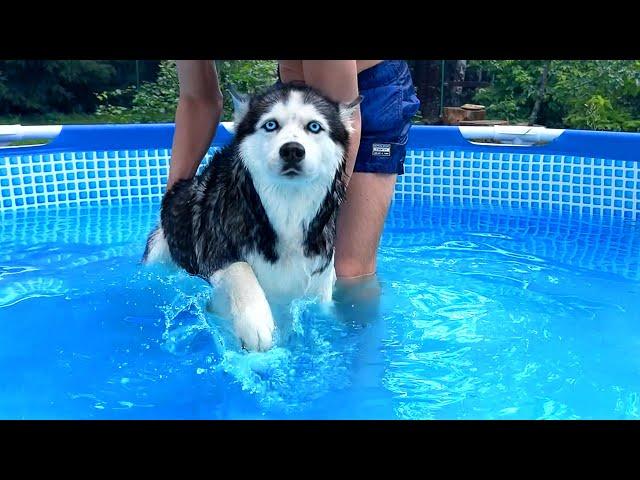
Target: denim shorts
[(389, 103)]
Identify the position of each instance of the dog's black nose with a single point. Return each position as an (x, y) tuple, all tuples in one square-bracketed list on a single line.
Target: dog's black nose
[(292, 153)]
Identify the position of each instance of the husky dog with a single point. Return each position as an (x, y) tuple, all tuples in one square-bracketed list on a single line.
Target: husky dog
[(259, 222)]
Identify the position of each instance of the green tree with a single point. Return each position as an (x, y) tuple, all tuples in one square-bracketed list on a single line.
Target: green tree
[(588, 94), (41, 86), (514, 88), (246, 76), (152, 102), (156, 101), (598, 94)]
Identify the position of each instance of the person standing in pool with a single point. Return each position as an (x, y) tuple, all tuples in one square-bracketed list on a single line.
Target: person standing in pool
[(377, 150)]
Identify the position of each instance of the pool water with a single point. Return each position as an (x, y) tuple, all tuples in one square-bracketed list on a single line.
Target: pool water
[(484, 314)]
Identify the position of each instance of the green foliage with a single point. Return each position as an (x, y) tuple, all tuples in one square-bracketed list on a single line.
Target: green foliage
[(599, 114), (157, 101), (39, 86), (514, 89), (54, 118), (152, 102), (589, 94), (593, 94), (246, 76), (599, 95), (31, 141)]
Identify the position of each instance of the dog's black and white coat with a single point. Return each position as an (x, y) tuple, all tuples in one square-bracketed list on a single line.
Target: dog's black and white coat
[(259, 222)]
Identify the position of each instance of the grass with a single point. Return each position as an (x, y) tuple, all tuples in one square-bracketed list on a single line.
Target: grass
[(49, 119), (67, 119), (30, 141)]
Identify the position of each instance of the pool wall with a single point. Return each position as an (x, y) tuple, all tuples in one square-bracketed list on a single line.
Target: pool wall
[(579, 172)]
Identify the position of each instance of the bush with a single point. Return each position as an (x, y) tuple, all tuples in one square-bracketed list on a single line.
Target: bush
[(157, 101), (593, 94), (44, 86)]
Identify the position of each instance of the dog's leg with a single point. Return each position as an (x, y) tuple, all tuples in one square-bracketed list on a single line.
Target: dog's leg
[(157, 249), (325, 290), (247, 305)]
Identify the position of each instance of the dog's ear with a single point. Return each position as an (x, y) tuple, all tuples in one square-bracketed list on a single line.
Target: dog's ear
[(240, 104), (347, 110)]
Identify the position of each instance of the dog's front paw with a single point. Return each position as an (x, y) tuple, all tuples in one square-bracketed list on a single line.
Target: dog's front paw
[(254, 326)]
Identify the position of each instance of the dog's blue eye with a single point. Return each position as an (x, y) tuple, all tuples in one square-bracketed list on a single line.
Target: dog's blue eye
[(270, 126), (314, 127)]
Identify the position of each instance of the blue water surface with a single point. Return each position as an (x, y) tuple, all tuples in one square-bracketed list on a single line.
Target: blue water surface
[(484, 314)]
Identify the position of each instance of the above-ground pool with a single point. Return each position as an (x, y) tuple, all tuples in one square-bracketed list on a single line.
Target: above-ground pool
[(510, 282)]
